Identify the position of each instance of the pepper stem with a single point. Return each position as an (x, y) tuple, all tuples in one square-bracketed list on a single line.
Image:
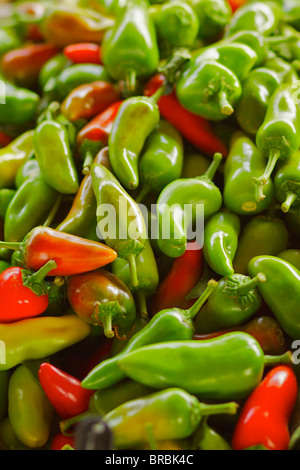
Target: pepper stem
[(243, 289), (226, 107), (211, 170), (229, 408), (263, 180), (141, 296), (133, 270), (193, 311), (143, 193), (158, 94), (68, 423), (11, 245), (290, 199), (88, 161), (271, 361), (53, 211), (130, 81), (35, 281), (104, 314)]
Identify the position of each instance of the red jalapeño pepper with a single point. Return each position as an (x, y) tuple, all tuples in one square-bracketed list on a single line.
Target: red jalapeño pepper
[(64, 391), (185, 273), (195, 129), (84, 53), (72, 254), (60, 441), (264, 419)]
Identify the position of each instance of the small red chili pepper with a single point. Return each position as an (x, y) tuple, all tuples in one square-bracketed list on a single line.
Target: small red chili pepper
[(4, 139), (264, 419), (64, 391), (235, 4), (195, 129), (83, 53), (72, 254), (60, 440), (185, 273), (23, 293), (87, 100), (23, 65), (98, 129)]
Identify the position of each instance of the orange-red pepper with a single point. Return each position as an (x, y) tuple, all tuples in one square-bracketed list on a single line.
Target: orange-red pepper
[(60, 440), (4, 139), (235, 4), (264, 419), (195, 129), (84, 53)]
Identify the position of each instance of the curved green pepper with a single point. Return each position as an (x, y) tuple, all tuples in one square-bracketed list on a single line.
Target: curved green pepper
[(284, 69), (13, 156), (244, 162), (29, 170), (258, 88), (136, 119), (181, 203), (221, 234), (287, 183), (233, 302), (29, 207), (292, 256), (161, 159), (18, 105), (8, 438), (262, 235), (170, 414), (129, 49), (226, 367), (213, 17), (50, 70), (280, 291), (279, 135), (29, 410), (6, 195), (54, 154), (253, 39), (209, 439), (167, 325)]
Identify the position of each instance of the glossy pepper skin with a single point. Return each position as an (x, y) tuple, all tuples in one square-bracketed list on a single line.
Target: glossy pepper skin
[(161, 159), (6, 195), (130, 49), (38, 338), (9, 40), (13, 156), (63, 391), (287, 183), (262, 235), (234, 301), (29, 208), (164, 326), (258, 88), (43, 244), (172, 414), (213, 16), (83, 53), (228, 367), (221, 234), (280, 291), (195, 191), (136, 119), (101, 298), (292, 256), (50, 70), (127, 242), (20, 107), (244, 162), (265, 416), (279, 135), (29, 410)]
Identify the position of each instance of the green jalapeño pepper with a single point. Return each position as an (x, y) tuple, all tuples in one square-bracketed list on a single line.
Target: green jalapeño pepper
[(213, 17), (167, 325), (30, 412), (6, 195), (54, 153), (233, 302), (170, 414), (30, 169), (182, 202), (221, 234), (130, 49), (258, 88), (263, 17), (30, 207), (281, 290), (50, 70), (292, 256), (123, 228), (161, 159), (227, 367), (244, 162), (279, 135), (287, 183), (263, 234), (13, 156), (136, 119), (18, 105)]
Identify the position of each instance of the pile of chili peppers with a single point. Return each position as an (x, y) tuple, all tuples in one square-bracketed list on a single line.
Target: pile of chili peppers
[(172, 343)]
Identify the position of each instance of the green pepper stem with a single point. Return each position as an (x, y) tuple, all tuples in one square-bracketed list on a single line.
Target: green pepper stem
[(226, 107), (263, 180), (104, 314), (194, 309), (290, 199), (143, 193), (35, 281), (150, 436), (68, 423), (158, 94), (179, 57), (133, 270), (130, 81), (212, 169), (53, 211), (11, 245), (229, 408), (243, 289), (141, 297), (271, 361), (43, 272), (88, 161)]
